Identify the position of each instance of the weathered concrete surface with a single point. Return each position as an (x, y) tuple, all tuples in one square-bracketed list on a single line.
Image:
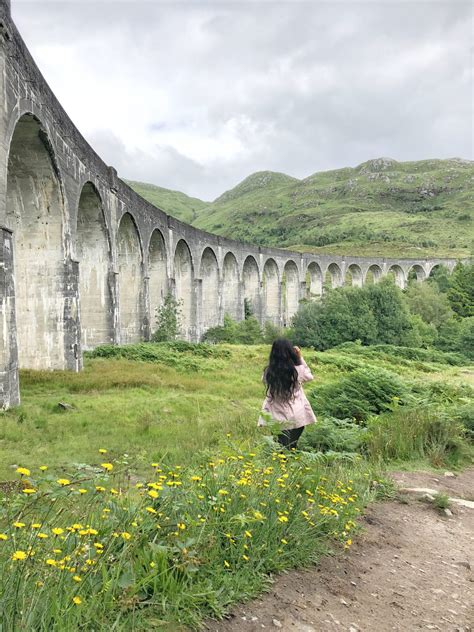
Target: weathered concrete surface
[(87, 261)]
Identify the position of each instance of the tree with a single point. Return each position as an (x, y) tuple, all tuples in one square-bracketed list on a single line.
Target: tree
[(168, 320), (390, 311), (461, 292), (426, 300)]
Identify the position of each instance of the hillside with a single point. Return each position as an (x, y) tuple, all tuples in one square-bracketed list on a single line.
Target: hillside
[(381, 207)]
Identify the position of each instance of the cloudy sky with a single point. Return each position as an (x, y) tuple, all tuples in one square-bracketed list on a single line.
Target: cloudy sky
[(195, 95)]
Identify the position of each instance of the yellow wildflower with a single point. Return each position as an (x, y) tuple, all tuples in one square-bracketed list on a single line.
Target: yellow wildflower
[(43, 536), (151, 510), (99, 488), (283, 519), (57, 530), (24, 471), (3, 536), (28, 490), (102, 451), (51, 562), (76, 578), (77, 600), (19, 525), (43, 468), (248, 534), (63, 481), (246, 557), (108, 467), (181, 526), (153, 493), (19, 555), (125, 535), (226, 564), (83, 491), (36, 525)]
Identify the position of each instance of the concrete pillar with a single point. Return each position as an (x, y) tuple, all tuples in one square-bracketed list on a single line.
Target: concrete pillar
[(195, 329), (147, 318), (9, 384), (72, 326)]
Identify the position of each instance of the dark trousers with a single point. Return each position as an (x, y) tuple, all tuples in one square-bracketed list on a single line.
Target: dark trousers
[(289, 438)]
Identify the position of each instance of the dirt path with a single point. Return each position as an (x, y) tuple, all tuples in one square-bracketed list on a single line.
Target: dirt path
[(411, 569)]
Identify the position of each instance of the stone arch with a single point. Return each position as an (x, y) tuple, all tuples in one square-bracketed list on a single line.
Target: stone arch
[(399, 275), (354, 276), (416, 273), (230, 290), (314, 281), (251, 285), (130, 280), (333, 277), (157, 274), (184, 285), (35, 211), (271, 292), (94, 255), (373, 274), (291, 284), (210, 290)]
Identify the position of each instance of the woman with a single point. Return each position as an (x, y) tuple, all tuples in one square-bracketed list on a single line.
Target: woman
[(285, 400)]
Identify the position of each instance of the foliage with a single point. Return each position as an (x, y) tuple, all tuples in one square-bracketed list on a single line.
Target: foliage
[(393, 352), (416, 433), (247, 332), (373, 314), (427, 301), (168, 320), (332, 435), (461, 291), (441, 501), (362, 393), (457, 335), (88, 551)]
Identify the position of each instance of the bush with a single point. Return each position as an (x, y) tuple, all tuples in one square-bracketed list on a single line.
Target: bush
[(416, 433), (168, 320), (362, 393), (246, 332), (333, 435), (408, 353)]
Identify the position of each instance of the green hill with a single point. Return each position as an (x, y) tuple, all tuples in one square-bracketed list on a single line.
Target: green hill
[(407, 209)]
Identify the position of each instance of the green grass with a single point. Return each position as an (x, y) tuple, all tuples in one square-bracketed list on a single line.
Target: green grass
[(149, 409), (395, 209), (199, 508)]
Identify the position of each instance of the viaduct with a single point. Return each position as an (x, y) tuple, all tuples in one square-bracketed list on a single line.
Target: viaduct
[(85, 261)]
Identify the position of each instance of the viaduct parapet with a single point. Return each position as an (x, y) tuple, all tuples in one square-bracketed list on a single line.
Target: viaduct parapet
[(85, 261)]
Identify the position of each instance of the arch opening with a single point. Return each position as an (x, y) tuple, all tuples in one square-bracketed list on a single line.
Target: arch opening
[(373, 275), (93, 253), (314, 281), (35, 213), (251, 286), (416, 273), (129, 257), (333, 276), (157, 273), (210, 290), (271, 288), (184, 282), (230, 291), (291, 284), (398, 275), (354, 276)]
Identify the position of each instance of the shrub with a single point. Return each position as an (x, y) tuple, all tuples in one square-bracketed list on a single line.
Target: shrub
[(168, 319), (461, 292), (362, 393), (416, 433), (247, 332), (333, 435)]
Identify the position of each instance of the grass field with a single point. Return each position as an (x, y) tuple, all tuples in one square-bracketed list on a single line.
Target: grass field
[(153, 501)]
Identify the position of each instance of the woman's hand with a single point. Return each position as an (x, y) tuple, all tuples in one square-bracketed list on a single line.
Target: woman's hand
[(298, 352)]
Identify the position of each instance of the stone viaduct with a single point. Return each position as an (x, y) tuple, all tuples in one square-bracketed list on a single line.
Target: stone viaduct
[(85, 261)]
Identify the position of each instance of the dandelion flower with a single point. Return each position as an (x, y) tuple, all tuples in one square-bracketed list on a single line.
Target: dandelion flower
[(76, 578), (43, 468), (24, 471), (181, 526), (125, 535), (63, 481), (102, 451), (19, 555), (283, 519), (226, 564), (248, 534), (99, 488), (83, 491), (28, 490), (108, 467), (36, 525), (246, 557), (19, 525), (153, 493), (57, 531), (42, 536), (151, 510), (3, 536), (77, 600), (51, 562)]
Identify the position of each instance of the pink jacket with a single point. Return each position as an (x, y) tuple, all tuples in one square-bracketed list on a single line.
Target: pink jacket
[(297, 411)]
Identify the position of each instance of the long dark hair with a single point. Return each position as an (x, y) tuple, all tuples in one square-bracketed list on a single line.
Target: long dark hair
[(281, 376)]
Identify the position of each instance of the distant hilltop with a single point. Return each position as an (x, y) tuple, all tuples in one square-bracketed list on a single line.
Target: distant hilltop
[(381, 207)]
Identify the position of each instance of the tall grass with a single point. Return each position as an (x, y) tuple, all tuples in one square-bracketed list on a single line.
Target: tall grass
[(92, 551)]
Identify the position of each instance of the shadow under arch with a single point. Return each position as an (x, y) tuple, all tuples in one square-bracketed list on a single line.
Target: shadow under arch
[(130, 280), (184, 288), (94, 254), (35, 211)]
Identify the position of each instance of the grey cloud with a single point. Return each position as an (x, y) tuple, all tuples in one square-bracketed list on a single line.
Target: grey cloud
[(290, 86)]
